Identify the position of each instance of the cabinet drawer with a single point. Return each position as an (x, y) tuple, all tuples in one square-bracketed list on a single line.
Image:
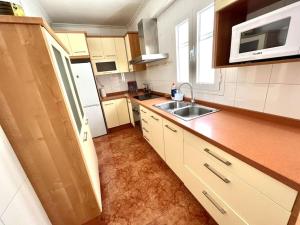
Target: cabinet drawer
[(157, 133), (144, 112), (213, 203), (255, 178), (249, 203)]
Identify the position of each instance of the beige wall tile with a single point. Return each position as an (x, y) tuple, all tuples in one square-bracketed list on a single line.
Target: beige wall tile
[(283, 100), (286, 73), (254, 74)]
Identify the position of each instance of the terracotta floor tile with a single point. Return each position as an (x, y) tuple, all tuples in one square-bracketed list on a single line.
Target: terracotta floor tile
[(138, 188)]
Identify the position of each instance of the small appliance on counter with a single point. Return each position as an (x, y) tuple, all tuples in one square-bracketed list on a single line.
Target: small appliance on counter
[(132, 87)]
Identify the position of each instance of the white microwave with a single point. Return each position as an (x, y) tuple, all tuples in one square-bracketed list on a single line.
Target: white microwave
[(104, 66), (272, 35)]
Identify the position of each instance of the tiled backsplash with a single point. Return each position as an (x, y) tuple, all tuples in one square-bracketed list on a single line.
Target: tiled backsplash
[(273, 88), (115, 82)]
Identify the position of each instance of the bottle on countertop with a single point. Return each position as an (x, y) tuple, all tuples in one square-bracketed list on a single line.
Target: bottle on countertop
[(173, 90)]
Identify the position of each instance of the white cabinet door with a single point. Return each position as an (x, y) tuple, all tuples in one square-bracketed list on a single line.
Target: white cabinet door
[(11, 172), (157, 134), (173, 136), (122, 110), (111, 115), (109, 47), (25, 208)]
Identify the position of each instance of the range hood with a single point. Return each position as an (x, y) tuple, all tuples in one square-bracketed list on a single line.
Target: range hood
[(148, 43)]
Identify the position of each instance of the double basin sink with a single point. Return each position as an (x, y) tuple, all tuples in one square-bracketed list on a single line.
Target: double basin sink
[(185, 110)]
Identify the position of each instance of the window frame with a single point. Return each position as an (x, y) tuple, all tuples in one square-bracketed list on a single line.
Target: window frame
[(178, 76), (216, 86)]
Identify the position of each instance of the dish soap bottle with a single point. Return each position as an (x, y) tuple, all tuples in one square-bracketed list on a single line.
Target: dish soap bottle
[(173, 90)]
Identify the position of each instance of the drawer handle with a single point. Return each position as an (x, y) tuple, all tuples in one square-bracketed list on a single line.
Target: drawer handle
[(79, 51), (145, 129), (154, 118), (167, 126), (145, 121), (226, 162), (143, 111), (109, 103), (214, 171), (146, 138), (85, 136), (214, 202)]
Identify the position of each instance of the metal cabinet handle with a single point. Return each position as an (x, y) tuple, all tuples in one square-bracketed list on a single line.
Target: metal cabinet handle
[(143, 111), (109, 103), (85, 136), (154, 118), (110, 55), (145, 130), (145, 121), (214, 171), (221, 159), (146, 138), (79, 51), (171, 128), (214, 202)]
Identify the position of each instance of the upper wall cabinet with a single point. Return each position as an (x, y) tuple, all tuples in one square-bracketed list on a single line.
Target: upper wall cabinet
[(109, 49), (133, 50), (257, 42), (75, 43)]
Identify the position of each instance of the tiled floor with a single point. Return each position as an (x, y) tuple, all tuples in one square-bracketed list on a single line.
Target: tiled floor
[(138, 188)]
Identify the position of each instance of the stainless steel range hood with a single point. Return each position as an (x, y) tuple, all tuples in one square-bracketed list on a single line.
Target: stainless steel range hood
[(148, 43)]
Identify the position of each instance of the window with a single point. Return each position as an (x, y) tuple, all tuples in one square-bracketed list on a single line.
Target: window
[(206, 76), (182, 51)]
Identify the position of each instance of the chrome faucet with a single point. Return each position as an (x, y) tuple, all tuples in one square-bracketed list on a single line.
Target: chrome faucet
[(192, 92)]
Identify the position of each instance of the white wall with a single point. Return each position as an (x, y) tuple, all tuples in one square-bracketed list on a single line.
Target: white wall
[(92, 29), (273, 89), (32, 8), (18, 201)]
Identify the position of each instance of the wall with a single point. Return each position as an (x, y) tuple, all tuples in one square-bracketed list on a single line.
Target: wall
[(32, 8), (18, 201), (272, 89), (100, 30)]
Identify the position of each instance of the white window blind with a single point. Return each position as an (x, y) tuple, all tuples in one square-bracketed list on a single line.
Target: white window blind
[(206, 76), (182, 51)]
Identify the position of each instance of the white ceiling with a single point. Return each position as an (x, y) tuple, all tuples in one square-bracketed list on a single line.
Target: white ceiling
[(100, 12)]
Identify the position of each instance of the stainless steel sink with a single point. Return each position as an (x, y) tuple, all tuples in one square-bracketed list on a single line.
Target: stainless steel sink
[(192, 112), (185, 110), (170, 106)]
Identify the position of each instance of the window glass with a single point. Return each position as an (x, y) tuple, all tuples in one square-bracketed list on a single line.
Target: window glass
[(182, 51)]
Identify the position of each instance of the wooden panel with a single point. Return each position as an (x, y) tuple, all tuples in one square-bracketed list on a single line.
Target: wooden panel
[(95, 48), (220, 4), (35, 118), (122, 62), (122, 110), (135, 51), (78, 44), (110, 112)]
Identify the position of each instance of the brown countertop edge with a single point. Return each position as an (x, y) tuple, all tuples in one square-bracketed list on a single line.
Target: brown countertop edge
[(273, 121)]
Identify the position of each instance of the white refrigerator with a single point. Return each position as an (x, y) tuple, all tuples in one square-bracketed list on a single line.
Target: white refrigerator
[(87, 90)]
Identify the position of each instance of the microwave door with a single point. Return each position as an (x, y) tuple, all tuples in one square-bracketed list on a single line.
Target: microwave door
[(105, 67)]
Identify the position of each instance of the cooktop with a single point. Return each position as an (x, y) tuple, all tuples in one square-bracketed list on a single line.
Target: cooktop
[(146, 97)]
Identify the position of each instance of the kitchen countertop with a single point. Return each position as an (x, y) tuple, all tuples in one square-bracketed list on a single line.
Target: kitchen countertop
[(273, 148)]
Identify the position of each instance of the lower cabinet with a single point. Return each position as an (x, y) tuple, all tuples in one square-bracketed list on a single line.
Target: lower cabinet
[(116, 112), (232, 191), (213, 175), (152, 127), (173, 142)]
